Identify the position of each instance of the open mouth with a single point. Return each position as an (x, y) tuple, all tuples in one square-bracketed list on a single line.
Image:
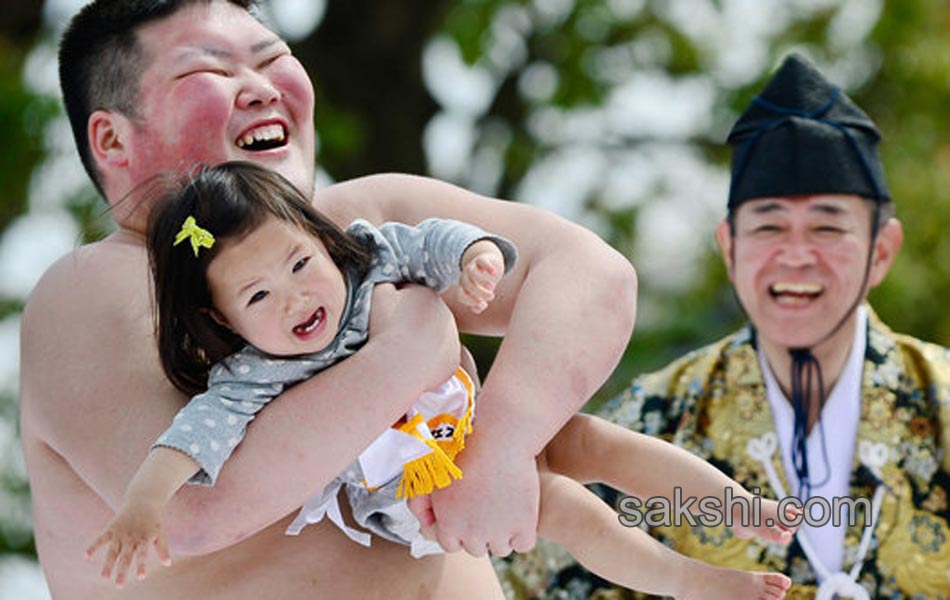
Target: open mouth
[(795, 293), (312, 323), (264, 137)]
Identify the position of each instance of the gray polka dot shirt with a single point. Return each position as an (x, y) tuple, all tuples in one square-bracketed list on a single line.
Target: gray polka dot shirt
[(212, 424)]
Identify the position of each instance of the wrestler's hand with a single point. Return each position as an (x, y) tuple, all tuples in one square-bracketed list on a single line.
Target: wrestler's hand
[(483, 266), (421, 507), (128, 537), (493, 508)]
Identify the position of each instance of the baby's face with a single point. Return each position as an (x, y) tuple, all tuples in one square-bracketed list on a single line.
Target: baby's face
[(278, 289)]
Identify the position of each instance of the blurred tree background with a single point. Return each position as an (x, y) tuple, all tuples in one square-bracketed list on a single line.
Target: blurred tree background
[(610, 112)]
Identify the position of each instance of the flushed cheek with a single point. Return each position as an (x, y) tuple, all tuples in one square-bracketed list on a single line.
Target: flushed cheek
[(294, 83), (208, 111)]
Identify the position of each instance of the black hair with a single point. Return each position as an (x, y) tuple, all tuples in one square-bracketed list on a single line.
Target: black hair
[(230, 201), (101, 61)]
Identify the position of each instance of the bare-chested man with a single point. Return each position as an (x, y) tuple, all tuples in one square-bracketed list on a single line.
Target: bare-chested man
[(152, 86)]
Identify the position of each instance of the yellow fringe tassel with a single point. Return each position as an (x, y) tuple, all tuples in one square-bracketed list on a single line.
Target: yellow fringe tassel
[(436, 469), (456, 443), (464, 426), (424, 474)]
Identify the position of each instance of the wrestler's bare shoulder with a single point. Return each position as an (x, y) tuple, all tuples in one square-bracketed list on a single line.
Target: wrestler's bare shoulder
[(394, 197), (97, 288), (93, 275), (363, 197), (98, 260)]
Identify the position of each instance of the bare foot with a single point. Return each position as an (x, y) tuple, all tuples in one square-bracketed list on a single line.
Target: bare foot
[(769, 526), (707, 582)]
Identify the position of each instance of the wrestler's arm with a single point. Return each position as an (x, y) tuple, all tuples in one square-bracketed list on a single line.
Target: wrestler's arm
[(93, 392), (566, 311)]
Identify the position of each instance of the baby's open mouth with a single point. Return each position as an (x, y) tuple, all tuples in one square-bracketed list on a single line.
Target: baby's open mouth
[(312, 323)]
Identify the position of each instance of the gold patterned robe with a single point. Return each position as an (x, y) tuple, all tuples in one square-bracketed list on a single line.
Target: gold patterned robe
[(713, 402)]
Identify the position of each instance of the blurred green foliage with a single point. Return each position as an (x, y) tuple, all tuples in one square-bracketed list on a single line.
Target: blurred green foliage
[(21, 128), (22, 120), (909, 98), (906, 95)]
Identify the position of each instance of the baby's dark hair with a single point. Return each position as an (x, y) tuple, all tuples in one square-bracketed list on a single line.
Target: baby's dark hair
[(230, 201)]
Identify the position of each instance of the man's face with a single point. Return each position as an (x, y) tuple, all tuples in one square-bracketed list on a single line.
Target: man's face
[(798, 263), (220, 86)]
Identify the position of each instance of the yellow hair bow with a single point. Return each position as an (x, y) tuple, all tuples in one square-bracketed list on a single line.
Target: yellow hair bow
[(200, 238)]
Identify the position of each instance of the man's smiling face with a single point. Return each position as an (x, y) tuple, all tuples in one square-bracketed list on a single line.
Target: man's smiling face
[(220, 86), (798, 263)]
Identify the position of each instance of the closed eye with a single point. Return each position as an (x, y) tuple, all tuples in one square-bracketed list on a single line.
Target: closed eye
[(257, 297), (205, 70), (768, 228), (270, 60), (301, 263)]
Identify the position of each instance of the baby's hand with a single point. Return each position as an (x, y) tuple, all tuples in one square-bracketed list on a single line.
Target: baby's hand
[(128, 538), (482, 268)]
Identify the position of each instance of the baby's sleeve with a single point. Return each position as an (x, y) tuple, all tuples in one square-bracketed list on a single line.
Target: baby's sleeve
[(213, 423), (429, 253)]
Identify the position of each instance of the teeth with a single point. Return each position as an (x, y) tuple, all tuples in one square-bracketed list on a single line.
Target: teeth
[(312, 326), (796, 288), (311, 323), (262, 134)]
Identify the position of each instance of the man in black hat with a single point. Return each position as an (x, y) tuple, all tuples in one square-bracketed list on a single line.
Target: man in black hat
[(815, 398)]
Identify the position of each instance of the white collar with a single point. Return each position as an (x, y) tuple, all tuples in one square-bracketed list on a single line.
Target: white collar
[(839, 417), (842, 409)]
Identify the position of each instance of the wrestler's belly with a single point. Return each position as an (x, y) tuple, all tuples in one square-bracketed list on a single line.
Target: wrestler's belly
[(319, 563)]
